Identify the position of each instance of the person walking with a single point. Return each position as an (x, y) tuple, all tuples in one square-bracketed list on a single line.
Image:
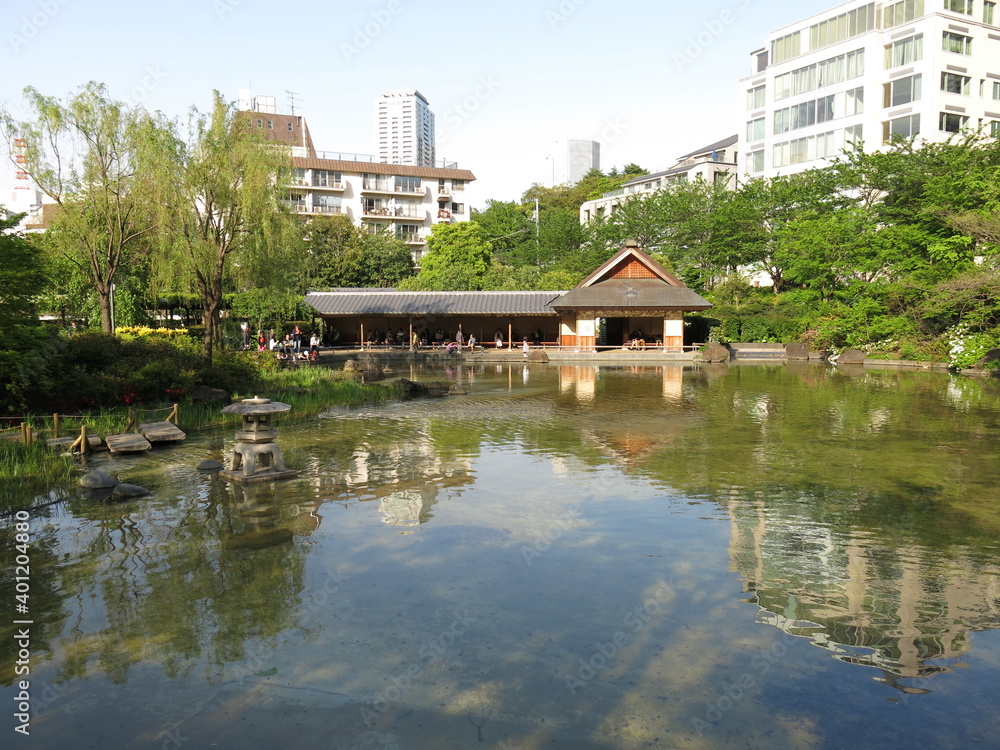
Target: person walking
[(459, 339)]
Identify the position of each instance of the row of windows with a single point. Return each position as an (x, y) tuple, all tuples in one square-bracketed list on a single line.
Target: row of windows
[(904, 52), (896, 13), (824, 73), (948, 122), (824, 109), (270, 125), (845, 26)]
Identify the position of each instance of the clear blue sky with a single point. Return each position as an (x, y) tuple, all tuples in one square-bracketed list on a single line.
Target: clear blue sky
[(508, 82)]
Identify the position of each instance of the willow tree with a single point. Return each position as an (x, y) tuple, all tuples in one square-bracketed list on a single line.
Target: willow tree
[(86, 155), (224, 224)]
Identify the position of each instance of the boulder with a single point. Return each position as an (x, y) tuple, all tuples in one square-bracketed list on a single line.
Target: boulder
[(456, 390), (97, 480), (796, 351), (714, 352), (350, 366), (993, 355), (851, 357), (125, 491), (538, 356), (207, 394), (210, 466)]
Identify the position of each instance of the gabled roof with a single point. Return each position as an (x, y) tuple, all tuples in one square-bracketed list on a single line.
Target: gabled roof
[(631, 280), (717, 146), (392, 302)]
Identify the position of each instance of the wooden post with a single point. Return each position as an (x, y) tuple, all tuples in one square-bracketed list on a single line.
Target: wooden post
[(174, 414), (362, 341), (84, 440), (55, 425), (24, 433), (510, 336)]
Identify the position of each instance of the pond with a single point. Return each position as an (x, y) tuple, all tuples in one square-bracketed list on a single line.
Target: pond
[(564, 557)]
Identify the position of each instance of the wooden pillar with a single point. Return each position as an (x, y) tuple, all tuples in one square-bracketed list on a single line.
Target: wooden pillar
[(510, 335), (55, 425), (361, 341)]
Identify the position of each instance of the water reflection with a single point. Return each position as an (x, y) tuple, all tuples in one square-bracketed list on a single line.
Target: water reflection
[(857, 514)]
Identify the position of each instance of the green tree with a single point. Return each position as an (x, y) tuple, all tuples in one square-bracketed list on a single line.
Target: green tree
[(87, 154), (223, 222), (510, 231), (458, 258)]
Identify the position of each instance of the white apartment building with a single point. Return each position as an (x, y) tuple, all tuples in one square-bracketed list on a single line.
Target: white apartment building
[(404, 200), (405, 129), (864, 72), (716, 163)]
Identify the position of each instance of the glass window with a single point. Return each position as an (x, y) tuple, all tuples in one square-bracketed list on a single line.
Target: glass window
[(905, 51), (407, 184), (901, 127), (952, 123), (959, 6), (902, 91), (755, 162), (996, 89), (995, 128), (755, 129), (954, 83), (298, 177), (825, 145), (289, 127), (853, 134), (854, 101), (458, 208), (785, 48), (894, 14), (846, 25), (755, 97), (458, 185), (780, 156), (989, 12), (800, 150), (956, 43)]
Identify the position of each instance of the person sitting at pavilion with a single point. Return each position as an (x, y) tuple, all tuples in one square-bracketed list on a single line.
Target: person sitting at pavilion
[(498, 339)]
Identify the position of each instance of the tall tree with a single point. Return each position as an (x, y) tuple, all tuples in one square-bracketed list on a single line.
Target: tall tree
[(458, 258), (221, 205), (86, 154)]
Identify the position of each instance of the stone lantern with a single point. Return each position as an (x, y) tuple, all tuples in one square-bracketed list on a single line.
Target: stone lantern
[(256, 457)]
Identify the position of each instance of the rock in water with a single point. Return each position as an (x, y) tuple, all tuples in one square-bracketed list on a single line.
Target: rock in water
[(97, 480), (715, 353), (796, 351), (350, 366), (128, 490), (538, 356), (210, 466), (851, 357)]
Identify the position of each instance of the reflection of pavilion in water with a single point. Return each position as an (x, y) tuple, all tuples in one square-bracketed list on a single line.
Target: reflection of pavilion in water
[(627, 442), (407, 478), (897, 609), (264, 515)]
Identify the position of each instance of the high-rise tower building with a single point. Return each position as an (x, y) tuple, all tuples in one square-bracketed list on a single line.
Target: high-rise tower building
[(405, 129), (581, 157), (863, 72)]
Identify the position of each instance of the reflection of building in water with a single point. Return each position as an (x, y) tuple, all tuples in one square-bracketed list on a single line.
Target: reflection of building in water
[(898, 609), (410, 507), (578, 379)]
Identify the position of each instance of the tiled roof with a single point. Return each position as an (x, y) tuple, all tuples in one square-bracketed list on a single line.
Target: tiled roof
[(359, 167), (717, 146), (618, 294), (392, 302)]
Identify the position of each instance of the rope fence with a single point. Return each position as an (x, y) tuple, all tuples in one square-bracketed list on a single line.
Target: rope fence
[(26, 434)]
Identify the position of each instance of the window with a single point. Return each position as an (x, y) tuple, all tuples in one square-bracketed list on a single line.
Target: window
[(952, 123), (902, 91), (289, 127), (854, 101), (905, 51), (825, 145), (298, 177), (458, 185), (755, 129), (458, 208), (785, 48), (959, 6), (755, 97), (270, 124), (408, 232), (260, 123), (996, 89), (954, 83), (989, 12), (894, 14), (901, 127), (956, 43), (721, 177), (755, 162), (846, 25), (854, 135), (800, 150), (995, 128), (824, 73), (408, 184)]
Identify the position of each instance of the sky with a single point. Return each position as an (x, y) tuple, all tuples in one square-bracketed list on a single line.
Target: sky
[(509, 82)]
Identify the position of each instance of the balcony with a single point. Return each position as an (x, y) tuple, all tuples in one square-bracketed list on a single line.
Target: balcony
[(377, 188), (410, 238), (376, 212), (444, 194), (408, 214), (335, 186), (327, 210)]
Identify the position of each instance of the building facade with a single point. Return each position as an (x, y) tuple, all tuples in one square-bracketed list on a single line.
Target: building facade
[(581, 157), (405, 129), (715, 163), (404, 200), (864, 72)]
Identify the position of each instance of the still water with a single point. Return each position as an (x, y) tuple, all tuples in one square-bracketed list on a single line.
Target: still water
[(565, 557)]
